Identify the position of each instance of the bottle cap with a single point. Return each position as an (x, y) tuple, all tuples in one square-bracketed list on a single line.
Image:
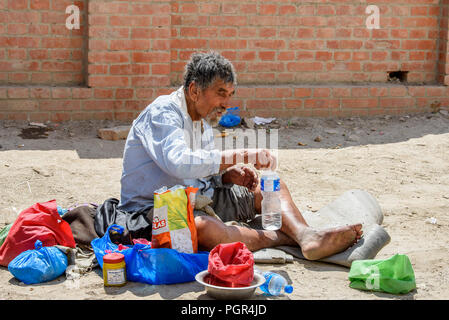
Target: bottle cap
[(114, 257), (288, 289)]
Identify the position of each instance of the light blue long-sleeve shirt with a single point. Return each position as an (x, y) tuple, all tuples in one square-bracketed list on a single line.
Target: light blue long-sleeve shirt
[(165, 147)]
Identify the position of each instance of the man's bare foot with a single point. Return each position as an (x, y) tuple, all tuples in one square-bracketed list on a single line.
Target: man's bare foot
[(317, 244)]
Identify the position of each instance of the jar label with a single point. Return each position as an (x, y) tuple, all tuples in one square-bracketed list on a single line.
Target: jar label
[(116, 276)]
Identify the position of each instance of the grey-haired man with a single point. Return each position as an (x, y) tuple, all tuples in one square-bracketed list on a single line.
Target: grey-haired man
[(171, 143)]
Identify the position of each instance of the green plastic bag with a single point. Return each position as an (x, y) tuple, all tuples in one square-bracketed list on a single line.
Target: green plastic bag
[(4, 233), (394, 275)]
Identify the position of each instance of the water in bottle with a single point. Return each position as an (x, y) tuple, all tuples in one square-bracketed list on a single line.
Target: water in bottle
[(271, 204), (275, 284)]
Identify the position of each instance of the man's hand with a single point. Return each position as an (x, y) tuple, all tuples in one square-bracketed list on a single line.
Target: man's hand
[(242, 176), (260, 158)]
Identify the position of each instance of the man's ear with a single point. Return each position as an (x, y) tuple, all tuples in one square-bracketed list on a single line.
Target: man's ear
[(194, 91)]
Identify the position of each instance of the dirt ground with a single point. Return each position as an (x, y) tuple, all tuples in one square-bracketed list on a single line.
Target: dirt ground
[(403, 161)]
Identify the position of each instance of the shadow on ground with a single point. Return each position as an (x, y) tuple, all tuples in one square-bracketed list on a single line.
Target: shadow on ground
[(294, 133)]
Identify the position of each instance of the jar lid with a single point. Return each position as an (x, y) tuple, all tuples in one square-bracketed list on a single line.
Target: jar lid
[(114, 257)]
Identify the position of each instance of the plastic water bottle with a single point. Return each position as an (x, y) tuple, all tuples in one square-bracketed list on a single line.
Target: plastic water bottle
[(271, 204), (275, 284)]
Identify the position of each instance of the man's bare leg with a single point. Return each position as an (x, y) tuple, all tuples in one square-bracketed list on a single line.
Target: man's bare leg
[(212, 232), (314, 244)]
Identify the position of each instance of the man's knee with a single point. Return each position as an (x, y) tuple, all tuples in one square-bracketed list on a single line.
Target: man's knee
[(210, 231)]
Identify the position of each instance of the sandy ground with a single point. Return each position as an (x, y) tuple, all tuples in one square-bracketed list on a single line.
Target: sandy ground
[(402, 160)]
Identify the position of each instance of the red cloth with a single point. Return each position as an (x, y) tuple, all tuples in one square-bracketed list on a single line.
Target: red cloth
[(41, 222), (231, 265)]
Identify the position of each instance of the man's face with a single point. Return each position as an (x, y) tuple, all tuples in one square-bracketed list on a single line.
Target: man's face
[(213, 101)]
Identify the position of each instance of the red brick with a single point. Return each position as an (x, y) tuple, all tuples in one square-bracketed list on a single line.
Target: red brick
[(59, 105), (304, 66), (130, 21), (18, 28), (267, 32), (59, 116), (121, 45), (359, 103), (124, 116), (419, 22), (267, 55), (341, 92), (398, 91), (81, 93), (150, 57), (302, 92), (397, 102), (188, 8), (160, 69), (342, 55), (262, 104), (417, 91), (326, 10), (149, 81), (103, 93), (17, 54), (321, 92), (17, 4), (227, 20), (419, 11), (145, 93), (100, 104), (61, 66), (61, 93), (192, 44), (321, 103), (437, 91), (217, 44), (40, 4), (18, 93), (294, 104), (379, 91), (189, 32), (209, 8), (107, 81), (265, 66), (287, 9), (269, 9), (129, 69)]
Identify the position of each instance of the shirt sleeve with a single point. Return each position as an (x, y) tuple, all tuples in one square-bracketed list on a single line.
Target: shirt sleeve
[(162, 136)]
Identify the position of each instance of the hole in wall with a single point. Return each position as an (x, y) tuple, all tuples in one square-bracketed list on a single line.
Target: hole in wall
[(397, 76)]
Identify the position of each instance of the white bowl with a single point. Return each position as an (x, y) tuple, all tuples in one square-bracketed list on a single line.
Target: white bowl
[(227, 293)]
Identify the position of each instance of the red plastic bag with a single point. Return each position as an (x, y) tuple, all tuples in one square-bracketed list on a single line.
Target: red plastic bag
[(231, 265), (41, 222)]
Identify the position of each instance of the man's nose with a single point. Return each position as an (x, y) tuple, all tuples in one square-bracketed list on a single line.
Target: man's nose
[(225, 103)]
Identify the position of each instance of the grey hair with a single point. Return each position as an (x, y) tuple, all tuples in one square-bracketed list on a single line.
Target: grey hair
[(205, 68)]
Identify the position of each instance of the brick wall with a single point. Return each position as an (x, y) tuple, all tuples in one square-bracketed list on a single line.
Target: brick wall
[(310, 41), (293, 58), (36, 47)]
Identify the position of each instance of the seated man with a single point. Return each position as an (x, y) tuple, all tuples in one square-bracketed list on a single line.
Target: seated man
[(171, 142)]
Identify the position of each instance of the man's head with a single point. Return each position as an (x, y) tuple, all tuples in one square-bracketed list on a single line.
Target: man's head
[(209, 82)]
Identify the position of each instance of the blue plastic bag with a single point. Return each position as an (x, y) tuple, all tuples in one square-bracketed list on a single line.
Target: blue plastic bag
[(231, 118), (39, 265), (152, 266)]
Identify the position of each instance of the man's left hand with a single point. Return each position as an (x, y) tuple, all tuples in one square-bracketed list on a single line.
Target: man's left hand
[(242, 176)]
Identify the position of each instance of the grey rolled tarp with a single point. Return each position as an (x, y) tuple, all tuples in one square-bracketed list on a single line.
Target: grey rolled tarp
[(353, 206)]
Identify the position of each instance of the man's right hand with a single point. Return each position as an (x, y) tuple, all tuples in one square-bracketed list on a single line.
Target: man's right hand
[(260, 158)]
